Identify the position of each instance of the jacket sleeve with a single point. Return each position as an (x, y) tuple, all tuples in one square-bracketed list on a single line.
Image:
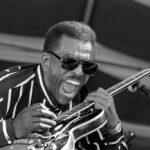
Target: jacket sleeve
[(6, 123), (7, 135), (100, 139), (115, 141)]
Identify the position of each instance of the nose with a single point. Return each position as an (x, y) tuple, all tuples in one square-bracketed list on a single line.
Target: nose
[(79, 70)]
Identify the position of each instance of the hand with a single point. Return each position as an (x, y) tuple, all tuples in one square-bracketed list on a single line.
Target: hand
[(32, 118), (102, 99), (105, 101)]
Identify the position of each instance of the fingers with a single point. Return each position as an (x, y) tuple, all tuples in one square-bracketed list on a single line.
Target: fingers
[(38, 106), (101, 97), (42, 116), (37, 126), (44, 121), (40, 121), (40, 110), (101, 93), (43, 113), (32, 118)]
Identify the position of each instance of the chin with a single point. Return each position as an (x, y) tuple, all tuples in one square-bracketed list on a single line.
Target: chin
[(65, 100)]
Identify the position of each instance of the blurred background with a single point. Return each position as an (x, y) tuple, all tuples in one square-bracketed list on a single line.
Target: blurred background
[(122, 49)]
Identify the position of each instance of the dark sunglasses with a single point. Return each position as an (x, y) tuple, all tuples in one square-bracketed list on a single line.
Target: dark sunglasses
[(69, 63)]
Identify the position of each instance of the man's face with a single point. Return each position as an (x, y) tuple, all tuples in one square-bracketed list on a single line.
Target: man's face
[(65, 84)]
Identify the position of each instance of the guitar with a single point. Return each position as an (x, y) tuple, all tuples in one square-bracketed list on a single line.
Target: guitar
[(73, 124)]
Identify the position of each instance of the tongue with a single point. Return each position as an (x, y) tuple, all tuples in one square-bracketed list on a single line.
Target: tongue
[(68, 87)]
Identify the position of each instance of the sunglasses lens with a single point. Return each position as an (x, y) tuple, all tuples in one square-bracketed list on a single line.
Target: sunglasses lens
[(90, 68), (69, 63)]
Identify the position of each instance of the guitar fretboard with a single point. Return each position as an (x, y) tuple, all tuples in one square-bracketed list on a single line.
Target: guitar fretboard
[(127, 82)]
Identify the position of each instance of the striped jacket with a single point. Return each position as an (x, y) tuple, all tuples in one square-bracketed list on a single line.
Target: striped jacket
[(22, 86)]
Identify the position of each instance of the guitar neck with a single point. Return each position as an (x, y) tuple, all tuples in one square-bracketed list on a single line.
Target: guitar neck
[(117, 88), (127, 82)]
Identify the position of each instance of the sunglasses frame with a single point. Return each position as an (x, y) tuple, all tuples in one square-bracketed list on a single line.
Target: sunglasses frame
[(79, 62)]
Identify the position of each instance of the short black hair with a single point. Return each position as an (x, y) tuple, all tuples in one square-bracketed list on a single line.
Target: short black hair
[(73, 29)]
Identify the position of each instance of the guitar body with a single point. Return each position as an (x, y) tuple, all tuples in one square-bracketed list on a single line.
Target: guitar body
[(80, 127), (64, 134)]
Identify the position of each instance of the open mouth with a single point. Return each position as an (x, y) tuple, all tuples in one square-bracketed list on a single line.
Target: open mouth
[(69, 88)]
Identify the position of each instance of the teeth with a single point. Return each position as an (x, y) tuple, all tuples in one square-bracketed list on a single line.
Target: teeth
[(73, 82)]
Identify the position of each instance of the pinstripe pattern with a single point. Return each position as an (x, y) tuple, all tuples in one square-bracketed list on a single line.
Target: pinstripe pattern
[(5, 132), (9, 100), (21, 94), (31, 92), (21, 85), (7, 75)]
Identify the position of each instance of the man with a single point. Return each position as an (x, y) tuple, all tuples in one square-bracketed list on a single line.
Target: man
[(32, 96)]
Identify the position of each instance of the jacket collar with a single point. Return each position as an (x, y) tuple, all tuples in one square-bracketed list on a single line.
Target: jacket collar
[(46, 92)]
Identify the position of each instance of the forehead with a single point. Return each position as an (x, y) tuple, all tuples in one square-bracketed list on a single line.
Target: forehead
[(76, 48)]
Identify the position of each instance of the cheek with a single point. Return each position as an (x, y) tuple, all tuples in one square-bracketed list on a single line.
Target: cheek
[(56, 75), (58, 71), (55, 69)]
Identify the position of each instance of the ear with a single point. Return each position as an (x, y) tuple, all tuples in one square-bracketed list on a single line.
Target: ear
[(45, 61)]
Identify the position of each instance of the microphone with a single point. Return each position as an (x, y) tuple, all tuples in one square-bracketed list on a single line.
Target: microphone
[(133, 88), (139, 88)]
